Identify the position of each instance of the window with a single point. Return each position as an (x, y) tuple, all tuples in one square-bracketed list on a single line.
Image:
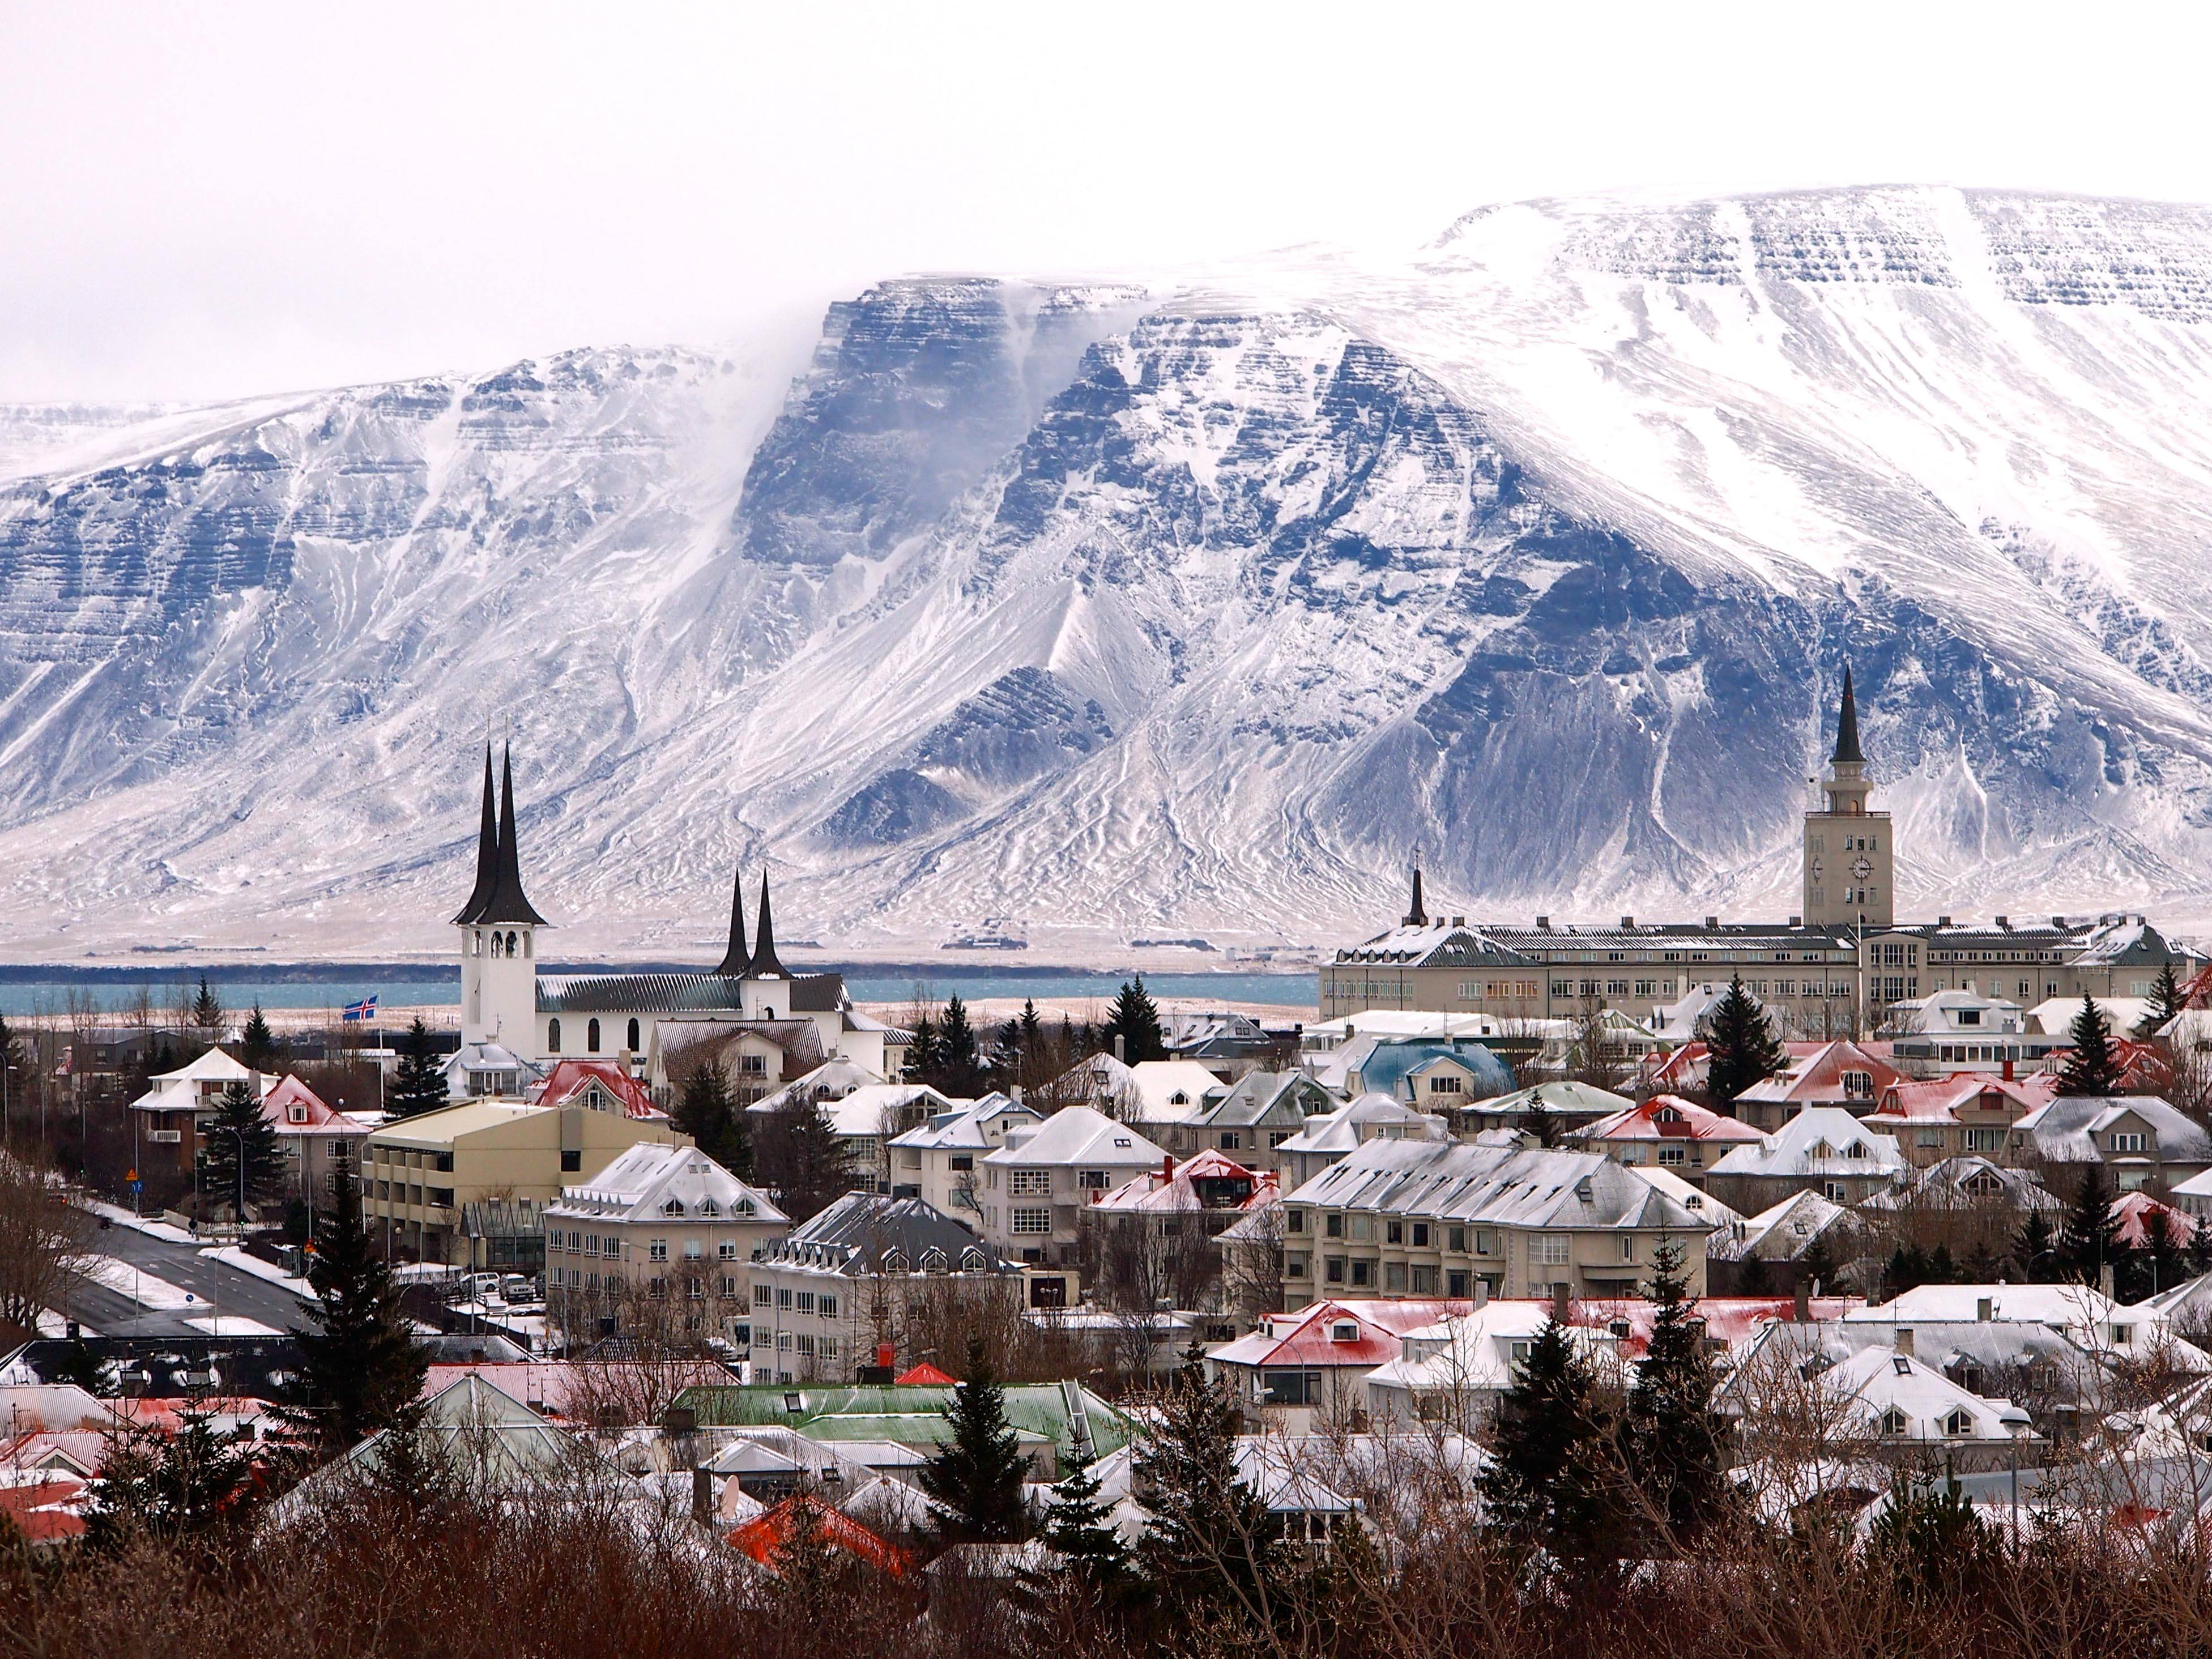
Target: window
[(753, 1064), (658, 1251), (591, 1037), (1424, 1281), (1231, 1141), (1091, 1180), (572, 1161), (1294, 1221), (1394, 1232), (2126, 1142), (729, 1287), (1456, 1238), (1394, 1276), (632, 1044), (1032, 1220), (1671, 1154), (1859, 1085), (1285, 1387), (783, 1297), (1030, 1182), (553, 1036), (1485, 1242), (1294, 1267), (1420, 1235), (1334, 1270), (1959, 1422), (1552, 1250), (1893, 1422), (1333, 1225), (1363, 1272), (1458, 1286), (1445, 1084)]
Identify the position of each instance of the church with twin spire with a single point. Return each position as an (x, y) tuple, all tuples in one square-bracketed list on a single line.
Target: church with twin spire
[(510, 1006)]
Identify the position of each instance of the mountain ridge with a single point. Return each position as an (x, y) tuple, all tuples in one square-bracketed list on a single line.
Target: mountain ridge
[(1094, 607)]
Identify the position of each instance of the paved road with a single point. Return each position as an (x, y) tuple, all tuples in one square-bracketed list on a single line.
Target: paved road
[(218, 1284)]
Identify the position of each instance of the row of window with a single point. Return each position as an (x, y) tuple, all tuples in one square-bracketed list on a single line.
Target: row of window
[(406, 1157), (799, 1342), (820, 1303), (591, 1037), (399, 1192), (1500, 990)]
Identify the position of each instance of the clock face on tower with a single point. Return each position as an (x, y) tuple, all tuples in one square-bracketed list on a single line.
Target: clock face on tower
[(1862, 869)]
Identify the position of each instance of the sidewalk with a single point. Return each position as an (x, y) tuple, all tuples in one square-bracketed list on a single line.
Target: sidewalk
[(152, 1228)]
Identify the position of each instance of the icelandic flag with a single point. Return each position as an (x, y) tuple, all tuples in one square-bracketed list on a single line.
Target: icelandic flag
[(365, 1009)]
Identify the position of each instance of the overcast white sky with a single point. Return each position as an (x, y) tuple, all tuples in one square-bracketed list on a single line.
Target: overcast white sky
[(202, 201)]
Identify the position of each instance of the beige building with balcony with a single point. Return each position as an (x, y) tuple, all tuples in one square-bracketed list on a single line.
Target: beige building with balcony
[(1426, 1218), (417, 1172)]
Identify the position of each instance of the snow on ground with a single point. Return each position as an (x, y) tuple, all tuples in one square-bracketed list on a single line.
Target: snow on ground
[(147, 1225), (139, 1285)]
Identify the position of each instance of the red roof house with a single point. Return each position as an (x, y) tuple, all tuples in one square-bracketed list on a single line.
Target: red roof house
[(1318, 1358), (765, 1537), (1835, 1075), (599, 1085), (1667, 1130)]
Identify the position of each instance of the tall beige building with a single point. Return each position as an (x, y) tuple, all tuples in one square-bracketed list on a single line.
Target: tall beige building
[(1849, 857)]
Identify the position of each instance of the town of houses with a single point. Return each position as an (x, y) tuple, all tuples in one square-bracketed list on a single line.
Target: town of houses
[(1360, 1225)]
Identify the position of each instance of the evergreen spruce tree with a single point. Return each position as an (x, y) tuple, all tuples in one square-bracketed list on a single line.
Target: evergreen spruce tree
[(1136, 1021), (1079, 1528), (1740, 1046), (2163, 1262), (2166, 1001), (1030, 1047), (1817, 1266), (418, 1084), (208, 1012), (1213, 1543), (360, 1368), (708, 1111), (2035, 1249), (974, 1481), (2091, 1067), (1540, 1121), (256, 1043), (239, 1130), (921, 1058), (78, 1365), (1673, 1437), (170, 1486), (959, 1065), (798, 1152), (2088, 1241), (1552, 1481)]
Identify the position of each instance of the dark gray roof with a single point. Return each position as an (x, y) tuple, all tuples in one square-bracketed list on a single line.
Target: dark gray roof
[(738, 958), (1491, 945), (600, 993), (854, 1235), (1847, 727)]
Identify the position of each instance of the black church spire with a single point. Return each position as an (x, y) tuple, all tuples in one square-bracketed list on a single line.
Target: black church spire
[(736, 959), (487, 848), (1847, 728), (1418, 916), (503, 901), (764, 964)]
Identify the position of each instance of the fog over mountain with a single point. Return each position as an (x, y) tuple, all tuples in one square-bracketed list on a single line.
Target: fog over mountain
[(1093, 610)]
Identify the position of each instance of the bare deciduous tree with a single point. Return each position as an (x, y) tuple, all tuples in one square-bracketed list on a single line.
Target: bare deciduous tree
[(42, 1241)]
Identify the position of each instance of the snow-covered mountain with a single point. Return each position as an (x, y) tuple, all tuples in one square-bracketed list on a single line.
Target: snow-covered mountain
[(1100, 609)]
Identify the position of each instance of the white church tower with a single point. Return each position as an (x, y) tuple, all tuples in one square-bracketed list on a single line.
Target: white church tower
[(499, 945)]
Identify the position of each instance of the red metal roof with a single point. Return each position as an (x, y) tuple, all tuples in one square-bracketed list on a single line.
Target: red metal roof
[(763, 1537), (1669, 1118), (927, 1373), (1817, 1078), (569, 1076)]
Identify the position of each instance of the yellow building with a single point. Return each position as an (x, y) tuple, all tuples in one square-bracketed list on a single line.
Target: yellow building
[(417, 1173)]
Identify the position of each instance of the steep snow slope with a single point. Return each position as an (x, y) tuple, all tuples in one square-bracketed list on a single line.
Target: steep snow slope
[(1098, 608)]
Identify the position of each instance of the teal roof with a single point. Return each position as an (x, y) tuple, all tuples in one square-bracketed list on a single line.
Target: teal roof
[(1386, 1066), (909, 1413)]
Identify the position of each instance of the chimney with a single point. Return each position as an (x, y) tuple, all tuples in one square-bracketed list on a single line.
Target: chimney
[(703, 1496), (1167, 1167), (1796, 921), (2004, 924), (1903, 1342), (885, 1354), (1711, 922), (1942, 921), (1543, 924), (1626, 922), (1117, 1045), (1804, 1310), (1986, 1309), (2105, 1280), (1459, 921), (2008, 1065)]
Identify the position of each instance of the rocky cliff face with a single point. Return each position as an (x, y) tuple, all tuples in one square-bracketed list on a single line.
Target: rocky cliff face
[(1100, 609)]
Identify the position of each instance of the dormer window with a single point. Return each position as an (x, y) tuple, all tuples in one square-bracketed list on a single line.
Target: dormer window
[(709, 1207), (1344, 1331), (674, 1206), (1893, 1422), (1959, 1422)]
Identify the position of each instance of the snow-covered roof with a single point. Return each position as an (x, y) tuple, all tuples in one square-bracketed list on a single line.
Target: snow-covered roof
[(1666, 1117), (601, 1084), (2055, 1016), (1173, 1090), (1834, 1071), (1966, 1180), (1077, 1135), (211, 1065), (1476, 1351), (1454, 1181), (1940, 1100), (2066, 1130), (1210, 1180), (1354, 1333), (1820, 1141), (1698, 1201), (1946, 1013), (1367, 1118), (1883, 1393), (649, 1181), (1569, 1100), (1781, 1232), (2063, 1307), (831, 1078), (976, 1124)]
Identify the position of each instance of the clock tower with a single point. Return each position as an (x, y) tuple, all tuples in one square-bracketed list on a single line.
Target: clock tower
[(1849, 857)]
